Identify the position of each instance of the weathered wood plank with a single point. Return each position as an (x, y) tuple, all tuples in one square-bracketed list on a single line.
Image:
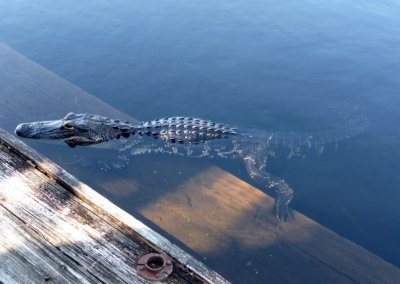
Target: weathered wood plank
[(56, 197), (70, 231), (24, 258), (18, 181)]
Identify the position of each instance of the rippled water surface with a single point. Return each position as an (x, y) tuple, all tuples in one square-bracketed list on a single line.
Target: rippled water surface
[(269, 65)]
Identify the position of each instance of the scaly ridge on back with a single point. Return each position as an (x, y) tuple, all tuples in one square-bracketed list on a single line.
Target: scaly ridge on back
[(184, 129)]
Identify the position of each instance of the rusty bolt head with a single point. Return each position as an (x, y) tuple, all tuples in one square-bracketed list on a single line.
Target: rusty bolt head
[(154, 266)]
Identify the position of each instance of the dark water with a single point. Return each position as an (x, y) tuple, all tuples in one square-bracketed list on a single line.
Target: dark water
[(259, 64)]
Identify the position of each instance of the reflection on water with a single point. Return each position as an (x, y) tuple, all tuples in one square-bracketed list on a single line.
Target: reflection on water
[(257, 64)]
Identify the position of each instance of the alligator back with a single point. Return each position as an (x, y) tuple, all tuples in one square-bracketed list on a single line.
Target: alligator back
[(184, 130)]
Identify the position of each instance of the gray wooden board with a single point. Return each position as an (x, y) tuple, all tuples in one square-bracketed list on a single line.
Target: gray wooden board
[(216, 221), (48, 233)]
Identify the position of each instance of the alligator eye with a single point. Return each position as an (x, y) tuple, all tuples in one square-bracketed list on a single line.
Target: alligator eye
[(68, 126)]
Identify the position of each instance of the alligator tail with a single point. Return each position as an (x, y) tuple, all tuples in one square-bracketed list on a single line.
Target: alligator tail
[(353, 123)]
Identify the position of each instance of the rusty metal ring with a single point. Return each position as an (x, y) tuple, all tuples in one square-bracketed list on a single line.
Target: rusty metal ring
[(154, 266)]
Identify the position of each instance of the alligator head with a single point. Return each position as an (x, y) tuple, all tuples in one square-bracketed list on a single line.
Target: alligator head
[(74, 129)]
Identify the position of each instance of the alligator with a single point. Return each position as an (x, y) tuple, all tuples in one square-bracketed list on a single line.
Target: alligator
[(196, 137)]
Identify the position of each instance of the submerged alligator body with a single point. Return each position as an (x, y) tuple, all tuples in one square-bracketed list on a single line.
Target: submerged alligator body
[(194, 137)]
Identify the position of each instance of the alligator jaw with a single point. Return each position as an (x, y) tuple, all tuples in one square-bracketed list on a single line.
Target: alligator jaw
[(80, 141)]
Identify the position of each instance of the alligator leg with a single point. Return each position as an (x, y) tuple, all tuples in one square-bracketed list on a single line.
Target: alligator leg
[(256, 168)]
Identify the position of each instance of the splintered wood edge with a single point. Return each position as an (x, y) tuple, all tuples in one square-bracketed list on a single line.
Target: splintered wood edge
[(109, 211)]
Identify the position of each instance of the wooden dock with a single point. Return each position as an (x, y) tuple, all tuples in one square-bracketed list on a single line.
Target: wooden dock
[(210, 218), (55, 229)]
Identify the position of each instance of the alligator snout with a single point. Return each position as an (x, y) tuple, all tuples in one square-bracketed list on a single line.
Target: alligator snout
[(39, 130), (21, 130)]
